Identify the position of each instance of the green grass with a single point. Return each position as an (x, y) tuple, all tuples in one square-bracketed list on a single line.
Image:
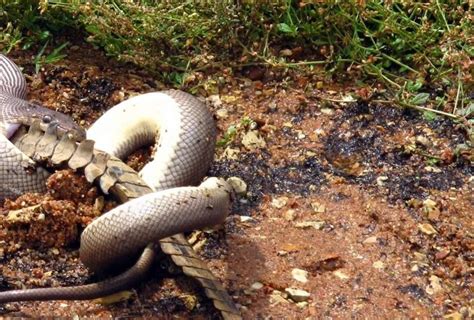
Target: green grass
[(412, 47)]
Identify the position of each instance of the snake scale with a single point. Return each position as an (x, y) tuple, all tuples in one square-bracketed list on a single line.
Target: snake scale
[(158, 204)]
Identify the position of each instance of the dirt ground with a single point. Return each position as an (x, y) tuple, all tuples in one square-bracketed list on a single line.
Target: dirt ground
[(364, 207)]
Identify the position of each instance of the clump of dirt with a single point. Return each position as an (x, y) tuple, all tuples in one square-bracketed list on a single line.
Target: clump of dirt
[(51, 220)]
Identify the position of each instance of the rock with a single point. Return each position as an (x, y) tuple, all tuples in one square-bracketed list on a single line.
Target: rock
[(318, 225), (256, 286), (222, 113), (190, 301), (215, 100), (299, 275), (286, 53), (230, 153), (246, 219), (318, 207), (279, 202), (435, 286), (370, 240), (453, 316), (427, 228), (378, 265), (23, 215), (341, 275), (381, 180), (289, 215), (297, 295), (302, 304), (253, 140), (239, 185), (276, 298), (327, 111), (424, 141)]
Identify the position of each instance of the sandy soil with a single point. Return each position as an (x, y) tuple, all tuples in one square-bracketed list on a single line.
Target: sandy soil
[(364, 207)]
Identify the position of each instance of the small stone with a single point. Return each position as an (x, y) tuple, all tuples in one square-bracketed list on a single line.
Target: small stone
[(299, 275), (286, 53), (378, 265), (190, 301), (327, 111), (318, 225), (256, 286), (300, 134), (297, 295), (341, 275), (239, 185), (41, 217), (370, 240), (432, 169), (289, 215), (381, 180), (435, 286), (424, 141), (222, 113), (276, 298), (246, 219), (318, 207), (453, 316), (279, 202), (442, 254), (302, 304), (427, 228), (253, 140), (231, 154)]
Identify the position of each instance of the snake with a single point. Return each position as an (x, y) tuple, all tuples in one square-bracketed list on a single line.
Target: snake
[(161, 202)]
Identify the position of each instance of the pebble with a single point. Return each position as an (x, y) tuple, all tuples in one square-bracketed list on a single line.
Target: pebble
[(256, 286), (300, 275), (327, 111), (370, 240), (424, 141), (435, 286), (279, 202), (341, 275), (427, 228), (253, 140), (297, 295), (277, 298), (289, 215), (239, 185), (222, 113), (378, 265), (381, 180), (246, 219), (318, 207), (318, 225)]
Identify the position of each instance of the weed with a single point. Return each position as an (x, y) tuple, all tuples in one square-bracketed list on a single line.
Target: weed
[(410, 46)]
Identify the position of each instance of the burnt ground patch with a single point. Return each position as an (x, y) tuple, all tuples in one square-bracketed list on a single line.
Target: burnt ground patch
[(391, 151), (263, 178)]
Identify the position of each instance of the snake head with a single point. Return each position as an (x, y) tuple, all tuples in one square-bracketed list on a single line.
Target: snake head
[(64, 124)]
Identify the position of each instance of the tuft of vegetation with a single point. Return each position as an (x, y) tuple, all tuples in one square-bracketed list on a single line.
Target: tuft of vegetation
[(420, 50)]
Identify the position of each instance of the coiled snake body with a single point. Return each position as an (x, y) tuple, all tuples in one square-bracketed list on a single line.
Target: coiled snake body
[(146, 220)]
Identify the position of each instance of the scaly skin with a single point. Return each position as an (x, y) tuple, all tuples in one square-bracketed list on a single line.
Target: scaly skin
[(185, 148)]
